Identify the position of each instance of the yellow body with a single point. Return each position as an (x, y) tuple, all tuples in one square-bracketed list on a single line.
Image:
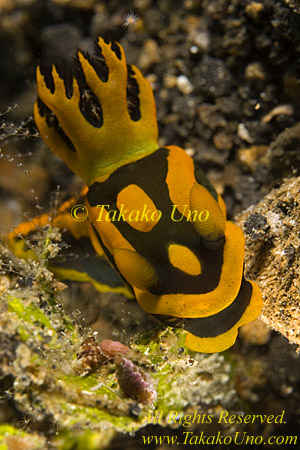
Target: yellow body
[(150, 211)]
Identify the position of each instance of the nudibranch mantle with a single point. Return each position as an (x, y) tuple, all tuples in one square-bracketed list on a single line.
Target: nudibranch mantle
[(185, 266)]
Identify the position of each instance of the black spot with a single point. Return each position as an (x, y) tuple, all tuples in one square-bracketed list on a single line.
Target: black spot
[(65, 73), (116, 49), (133, 101), (98, 62), (46, 71), (89, 104), (53, 122)]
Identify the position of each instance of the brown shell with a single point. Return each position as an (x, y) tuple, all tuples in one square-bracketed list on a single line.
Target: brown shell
[(89, 356)]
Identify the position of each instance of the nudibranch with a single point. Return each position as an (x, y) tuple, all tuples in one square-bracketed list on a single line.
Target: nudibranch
[(156, 223)]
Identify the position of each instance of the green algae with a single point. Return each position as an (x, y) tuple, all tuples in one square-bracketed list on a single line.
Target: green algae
[(91, 384), (94, 400), (28, 313), (84, 440), (11, 437), (40, 347)]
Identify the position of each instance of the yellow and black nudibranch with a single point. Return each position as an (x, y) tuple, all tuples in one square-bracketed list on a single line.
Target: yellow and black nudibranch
[(181, 259)]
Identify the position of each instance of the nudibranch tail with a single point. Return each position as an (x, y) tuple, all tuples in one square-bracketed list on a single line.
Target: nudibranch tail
[(101, 117)]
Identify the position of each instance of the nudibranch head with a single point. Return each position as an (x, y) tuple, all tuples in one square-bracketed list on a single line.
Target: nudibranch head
[(101, 117)]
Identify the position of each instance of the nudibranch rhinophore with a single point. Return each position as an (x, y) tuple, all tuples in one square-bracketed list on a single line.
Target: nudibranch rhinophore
[(153, 219)]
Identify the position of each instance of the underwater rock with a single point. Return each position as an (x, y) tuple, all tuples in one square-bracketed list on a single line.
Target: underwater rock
[(272, 256), (284, 150)]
